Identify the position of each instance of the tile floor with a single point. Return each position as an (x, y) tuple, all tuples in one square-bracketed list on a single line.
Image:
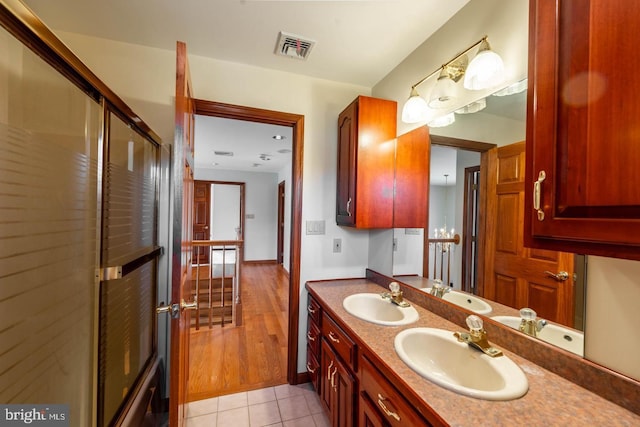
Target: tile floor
[(281, 406)]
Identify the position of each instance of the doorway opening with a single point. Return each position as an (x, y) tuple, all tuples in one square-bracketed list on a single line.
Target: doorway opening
[(285, 285)]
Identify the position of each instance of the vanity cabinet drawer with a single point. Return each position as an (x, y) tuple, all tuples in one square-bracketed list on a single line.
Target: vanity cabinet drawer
[(313, 367), (340, 342), (313, 338), (314, 310), (391, 406)]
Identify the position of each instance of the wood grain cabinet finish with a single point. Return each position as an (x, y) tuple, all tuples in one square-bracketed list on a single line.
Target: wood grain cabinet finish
[(314, 337), (389, 407), (412, 167), (338, 388), (366, 145), (583, 133)]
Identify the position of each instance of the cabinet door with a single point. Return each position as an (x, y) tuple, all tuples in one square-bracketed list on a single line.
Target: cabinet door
[(337, 388), (411, 199), (347, 145), (583, 142)]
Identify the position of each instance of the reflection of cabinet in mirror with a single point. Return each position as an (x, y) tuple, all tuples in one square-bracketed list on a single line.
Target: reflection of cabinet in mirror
[(382, 181), (582, 129)]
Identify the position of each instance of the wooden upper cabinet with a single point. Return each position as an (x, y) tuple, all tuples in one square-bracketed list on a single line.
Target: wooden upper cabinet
[(366, 144), (583, 131), (412, 166)]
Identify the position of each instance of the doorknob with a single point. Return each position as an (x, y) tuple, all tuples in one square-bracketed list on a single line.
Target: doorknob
[(561, 276), (174, 309)]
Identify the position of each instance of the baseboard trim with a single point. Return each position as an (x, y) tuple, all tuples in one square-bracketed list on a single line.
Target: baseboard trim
[(261, 261), (302, 378)]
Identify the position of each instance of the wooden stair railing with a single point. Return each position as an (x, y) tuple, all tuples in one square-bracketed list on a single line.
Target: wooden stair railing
[(217, 284)]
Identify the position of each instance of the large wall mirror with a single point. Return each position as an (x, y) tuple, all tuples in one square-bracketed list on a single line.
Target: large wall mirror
[(476, 192)]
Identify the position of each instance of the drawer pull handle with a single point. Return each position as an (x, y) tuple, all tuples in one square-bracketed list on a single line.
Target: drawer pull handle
[(311, 371), (333, 338), (311, 310), (537, 190), (389, 413), (329, 371), (310, 337), (349, 206), (333, 384)]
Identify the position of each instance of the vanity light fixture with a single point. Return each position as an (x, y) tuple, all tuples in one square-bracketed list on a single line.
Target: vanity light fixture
[(442, 121), (444, 92), (473, 107), (416, 109), (486, 69)]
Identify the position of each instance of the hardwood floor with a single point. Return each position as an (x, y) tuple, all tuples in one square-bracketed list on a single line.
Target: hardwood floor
[(231, 359)]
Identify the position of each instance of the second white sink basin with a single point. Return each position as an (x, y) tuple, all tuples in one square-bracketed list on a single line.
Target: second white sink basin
[(565, 338), (439, 357), (375, 309), (465, 300)]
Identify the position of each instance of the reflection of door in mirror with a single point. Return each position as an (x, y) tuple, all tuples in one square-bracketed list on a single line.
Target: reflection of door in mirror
[(514, 275)]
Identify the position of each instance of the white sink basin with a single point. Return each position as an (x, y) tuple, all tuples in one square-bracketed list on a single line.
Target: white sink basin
[(375, 309), (439, 357), (467, 301), (565, 338)]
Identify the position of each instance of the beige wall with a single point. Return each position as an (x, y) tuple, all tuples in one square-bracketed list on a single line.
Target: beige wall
[(613, 302), (505, 22)]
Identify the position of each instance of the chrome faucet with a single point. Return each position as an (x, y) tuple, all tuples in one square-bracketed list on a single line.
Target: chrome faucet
[(395, 296), (438, 289), (529, 324), (477, 337)]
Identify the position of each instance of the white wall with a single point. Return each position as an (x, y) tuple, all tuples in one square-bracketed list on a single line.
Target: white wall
[(261, 193)]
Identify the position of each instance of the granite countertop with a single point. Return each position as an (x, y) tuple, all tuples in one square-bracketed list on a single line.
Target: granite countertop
[(550, 401)]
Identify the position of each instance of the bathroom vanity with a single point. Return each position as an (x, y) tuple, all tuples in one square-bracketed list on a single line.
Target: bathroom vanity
[(363, 381)]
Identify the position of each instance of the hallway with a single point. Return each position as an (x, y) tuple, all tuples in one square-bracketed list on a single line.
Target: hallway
[(227, 360)]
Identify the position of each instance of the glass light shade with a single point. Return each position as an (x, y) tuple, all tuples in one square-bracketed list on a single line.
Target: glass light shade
[(486, 69), (444, 92), (442, 121), (415, 109), (473, 107)]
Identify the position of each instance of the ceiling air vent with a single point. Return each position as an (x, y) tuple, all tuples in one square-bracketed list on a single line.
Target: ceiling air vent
[(223, 153), (293, 46)]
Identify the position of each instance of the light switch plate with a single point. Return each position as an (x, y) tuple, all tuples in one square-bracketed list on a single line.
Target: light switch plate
[(315, 227)]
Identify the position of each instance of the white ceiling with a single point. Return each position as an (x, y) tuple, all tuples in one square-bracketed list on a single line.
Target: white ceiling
[(246, 140), (357, 42)]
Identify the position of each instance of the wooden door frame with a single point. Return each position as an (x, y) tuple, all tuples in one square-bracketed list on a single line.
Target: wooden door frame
[(296, 122), (280, 228)]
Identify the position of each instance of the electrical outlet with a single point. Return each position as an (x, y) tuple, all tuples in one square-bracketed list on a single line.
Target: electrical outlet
[(337, 246)]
